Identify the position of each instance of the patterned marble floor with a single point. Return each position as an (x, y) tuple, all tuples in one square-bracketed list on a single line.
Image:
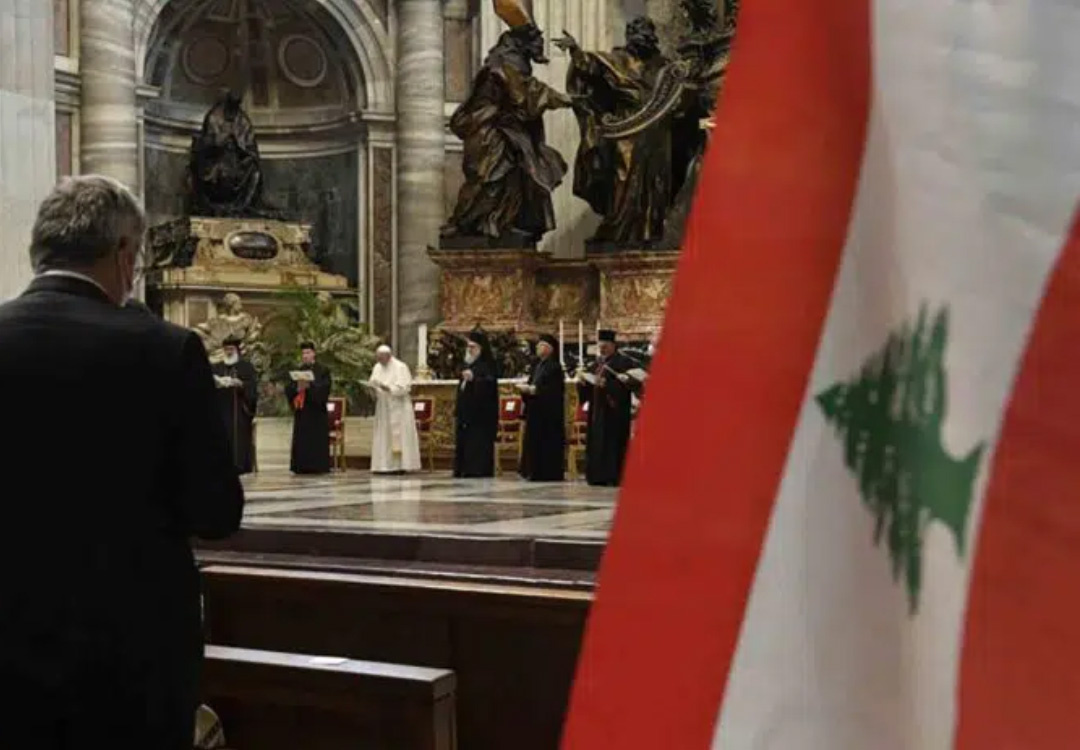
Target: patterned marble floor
[(429, 503)]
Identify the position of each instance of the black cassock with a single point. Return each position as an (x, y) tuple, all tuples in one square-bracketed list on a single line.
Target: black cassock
[(543, 458), (237, 407), (311, 424), (476, 419), (609, 422)]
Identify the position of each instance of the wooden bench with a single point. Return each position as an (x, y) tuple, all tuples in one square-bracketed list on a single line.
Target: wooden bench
[(513, 649), (271, 700)]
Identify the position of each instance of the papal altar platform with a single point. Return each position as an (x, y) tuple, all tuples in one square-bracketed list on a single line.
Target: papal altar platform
[(427, 524)]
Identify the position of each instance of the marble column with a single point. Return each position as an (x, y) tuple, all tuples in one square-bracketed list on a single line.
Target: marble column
[(27, 131), (421, 146), (110, 130)]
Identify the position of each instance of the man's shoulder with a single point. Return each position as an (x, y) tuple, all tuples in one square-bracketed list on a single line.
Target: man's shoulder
[(152, 327)]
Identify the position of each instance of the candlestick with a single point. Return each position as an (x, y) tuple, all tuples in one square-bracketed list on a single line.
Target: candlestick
[(581, 342), (562, 346), (421, 351)]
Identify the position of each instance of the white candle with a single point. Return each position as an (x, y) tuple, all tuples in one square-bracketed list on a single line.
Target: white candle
[(581, 343), (562, 336), (421, 348)]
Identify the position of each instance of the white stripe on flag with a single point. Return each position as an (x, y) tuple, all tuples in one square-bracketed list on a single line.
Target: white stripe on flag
[(971, 173)]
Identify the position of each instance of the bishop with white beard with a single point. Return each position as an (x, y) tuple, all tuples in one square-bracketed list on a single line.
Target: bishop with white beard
[(395, 445)]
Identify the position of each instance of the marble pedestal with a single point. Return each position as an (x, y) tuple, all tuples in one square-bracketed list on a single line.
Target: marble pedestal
[(635, 286), (197, 260), (493, 288), (528, 292)]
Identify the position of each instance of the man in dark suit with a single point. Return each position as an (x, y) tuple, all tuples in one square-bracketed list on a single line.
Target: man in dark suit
[(116, 455)]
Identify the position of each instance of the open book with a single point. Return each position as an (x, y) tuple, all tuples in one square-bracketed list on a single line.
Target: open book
[(589, 378), (302, 375), (638, 374), (224, 381)]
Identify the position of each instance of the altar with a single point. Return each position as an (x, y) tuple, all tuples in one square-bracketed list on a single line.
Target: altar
[(443, 395)]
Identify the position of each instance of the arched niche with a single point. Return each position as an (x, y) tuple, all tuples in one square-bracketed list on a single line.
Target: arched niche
[(305, 87)]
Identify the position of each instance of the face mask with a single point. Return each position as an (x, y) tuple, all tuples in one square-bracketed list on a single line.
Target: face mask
[(231, 359), (470, 358)]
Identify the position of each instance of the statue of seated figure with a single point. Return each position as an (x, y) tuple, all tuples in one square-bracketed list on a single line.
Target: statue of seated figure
[(225, 170)]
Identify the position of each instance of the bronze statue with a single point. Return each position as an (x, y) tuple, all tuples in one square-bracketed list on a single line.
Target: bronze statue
[(225, 170), (623, 168), (705, 49), (510, 171)]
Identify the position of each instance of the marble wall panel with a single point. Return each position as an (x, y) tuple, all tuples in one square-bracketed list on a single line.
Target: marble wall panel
[(321, 191), (62, 27), (458, 60), (166, 185), (382, 241), (27, 131), (64, 144)]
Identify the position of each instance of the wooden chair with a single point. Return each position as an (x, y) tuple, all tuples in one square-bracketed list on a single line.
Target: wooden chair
[(424, 411), (335, 408), (511, 431), (579, 438)]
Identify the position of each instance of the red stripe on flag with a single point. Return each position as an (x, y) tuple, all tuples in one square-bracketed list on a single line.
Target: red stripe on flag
[(1020, 670), (743, 327)]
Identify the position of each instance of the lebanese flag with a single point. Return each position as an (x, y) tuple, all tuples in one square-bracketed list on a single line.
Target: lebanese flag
[(851, 519)]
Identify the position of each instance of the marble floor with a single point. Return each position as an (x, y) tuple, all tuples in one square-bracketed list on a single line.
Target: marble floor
[(429, 503)]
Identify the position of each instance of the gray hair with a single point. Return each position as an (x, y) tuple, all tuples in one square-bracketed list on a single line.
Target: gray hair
[(82, 221)]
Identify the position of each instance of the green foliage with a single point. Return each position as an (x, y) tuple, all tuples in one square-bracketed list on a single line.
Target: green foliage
[(345, 347), (890, 418)]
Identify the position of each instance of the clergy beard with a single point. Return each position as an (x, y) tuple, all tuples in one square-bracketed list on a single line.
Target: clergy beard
[(471, 358), (231, 359)]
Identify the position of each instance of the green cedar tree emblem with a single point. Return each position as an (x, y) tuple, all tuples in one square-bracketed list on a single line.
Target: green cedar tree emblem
[(890, 417)]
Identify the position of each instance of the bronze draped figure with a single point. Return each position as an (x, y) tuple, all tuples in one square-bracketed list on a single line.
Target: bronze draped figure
[(626, 175), (704, 49), (225, 171), (510, 171)]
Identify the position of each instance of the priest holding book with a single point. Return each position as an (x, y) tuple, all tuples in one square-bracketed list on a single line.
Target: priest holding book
[(476, 412), (238, 395), (308, 392), (608, 390), (543, 457)]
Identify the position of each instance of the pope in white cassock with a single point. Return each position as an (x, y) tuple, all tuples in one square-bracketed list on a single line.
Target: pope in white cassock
[(395, 445)]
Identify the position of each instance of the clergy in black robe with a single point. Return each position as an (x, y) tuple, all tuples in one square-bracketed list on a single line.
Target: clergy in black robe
[(311, 423), (543, 458), (238, 396), (610, 405), (476, 415)]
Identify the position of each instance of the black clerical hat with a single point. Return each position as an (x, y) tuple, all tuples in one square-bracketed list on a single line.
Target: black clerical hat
[(606, 334), (307, 345), (477, 337), (233, 341), (550, 340)]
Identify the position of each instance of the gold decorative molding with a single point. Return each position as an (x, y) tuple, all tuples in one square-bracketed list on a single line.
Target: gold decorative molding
[(634, 290), (568, 291), (529, 292), (493, 288)]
